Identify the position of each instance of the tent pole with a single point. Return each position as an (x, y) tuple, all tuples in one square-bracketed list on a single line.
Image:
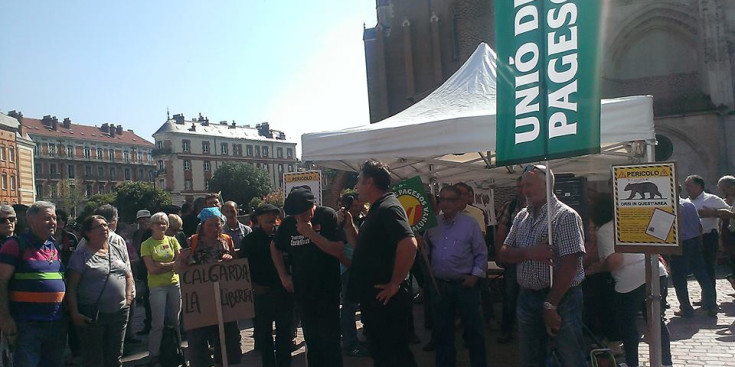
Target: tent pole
[(549, 192)]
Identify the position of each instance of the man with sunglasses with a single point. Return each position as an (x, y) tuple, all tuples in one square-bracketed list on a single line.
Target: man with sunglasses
[(547, 306), (7, 222), (458, 260)]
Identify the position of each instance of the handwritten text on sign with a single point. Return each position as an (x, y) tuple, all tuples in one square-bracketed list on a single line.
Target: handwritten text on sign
[(197, 290)]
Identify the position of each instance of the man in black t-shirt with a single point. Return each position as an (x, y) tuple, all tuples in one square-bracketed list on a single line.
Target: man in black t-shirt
[(384, 254), (313, 240), (272, 302)]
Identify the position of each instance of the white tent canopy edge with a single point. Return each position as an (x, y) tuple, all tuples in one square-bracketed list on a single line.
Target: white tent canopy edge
[(449, 136)]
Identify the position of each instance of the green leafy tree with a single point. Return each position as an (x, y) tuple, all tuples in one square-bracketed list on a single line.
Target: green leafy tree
[(131, 196), (94, 202), (240, 182), (70, 195)]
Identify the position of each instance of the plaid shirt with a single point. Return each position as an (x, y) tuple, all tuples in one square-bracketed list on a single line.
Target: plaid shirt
[(568, 239)]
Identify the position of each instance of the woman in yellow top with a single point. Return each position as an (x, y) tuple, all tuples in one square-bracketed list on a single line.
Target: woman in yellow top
[(210, 246), (159, 253)]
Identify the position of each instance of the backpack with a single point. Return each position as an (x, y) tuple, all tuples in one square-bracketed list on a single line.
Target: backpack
[(170, 353)]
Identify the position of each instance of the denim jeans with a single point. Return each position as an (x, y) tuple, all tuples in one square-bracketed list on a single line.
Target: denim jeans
[(165, 307), (454, 297), (568, 344), (102, 341), (691, 261), (627, 306), (347, 317), (40, 343), (320, 323)]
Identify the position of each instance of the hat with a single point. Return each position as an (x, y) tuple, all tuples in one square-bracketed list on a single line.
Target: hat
[(266, 208), (143, 213), (298, 201), (211, 212)]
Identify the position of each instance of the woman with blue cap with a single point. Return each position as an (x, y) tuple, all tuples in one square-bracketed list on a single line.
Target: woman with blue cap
[(209, 245)]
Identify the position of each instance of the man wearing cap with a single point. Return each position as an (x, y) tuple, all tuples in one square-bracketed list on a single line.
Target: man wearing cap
[(143, 220), (546, 306), (384, 253), (312, 238), (272, 302)]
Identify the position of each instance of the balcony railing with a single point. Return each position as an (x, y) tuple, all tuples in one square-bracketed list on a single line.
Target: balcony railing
[(161, 151)]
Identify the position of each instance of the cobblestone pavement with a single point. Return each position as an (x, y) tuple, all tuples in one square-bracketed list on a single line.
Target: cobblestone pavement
[(697, 341)]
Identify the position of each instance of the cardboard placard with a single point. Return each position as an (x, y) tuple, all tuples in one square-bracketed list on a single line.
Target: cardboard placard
[(197, 293), (310, 179), (646, 208)]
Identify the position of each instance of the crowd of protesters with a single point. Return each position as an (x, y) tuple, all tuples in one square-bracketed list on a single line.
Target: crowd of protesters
[(75, 286)]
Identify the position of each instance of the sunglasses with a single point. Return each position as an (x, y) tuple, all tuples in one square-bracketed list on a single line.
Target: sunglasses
[(532, 167), (7, 220)]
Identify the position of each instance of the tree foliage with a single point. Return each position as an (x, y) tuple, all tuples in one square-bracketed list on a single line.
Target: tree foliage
[(240, 182), (94, 202), (131, 196)]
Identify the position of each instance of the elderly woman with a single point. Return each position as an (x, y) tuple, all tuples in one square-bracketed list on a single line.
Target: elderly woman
[(726, 184), (159, 253), (100, 291), (174, 230), (209, 246), (7, 222)]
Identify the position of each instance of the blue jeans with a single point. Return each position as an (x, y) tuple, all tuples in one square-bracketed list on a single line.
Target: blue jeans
[(347, 317), (454, 297), (40, 343), (627, 306), (691, 261), (102, 341), (568, 344), (165, 308), (200, 339), (510, 298)]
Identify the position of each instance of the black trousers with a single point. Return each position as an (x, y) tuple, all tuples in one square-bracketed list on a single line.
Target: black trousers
[(386, 330), (710, 246), (274, 306), (320, 323)]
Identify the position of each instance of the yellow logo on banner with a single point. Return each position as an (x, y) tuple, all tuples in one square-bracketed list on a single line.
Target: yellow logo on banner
[(413, 207)]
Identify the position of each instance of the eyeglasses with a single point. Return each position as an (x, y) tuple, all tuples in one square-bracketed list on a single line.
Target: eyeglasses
[(531, 167), (447, 199), (7, 220)]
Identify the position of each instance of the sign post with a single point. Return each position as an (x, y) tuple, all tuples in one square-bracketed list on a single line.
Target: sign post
[(220, 324), (647, 221), (308, 179)]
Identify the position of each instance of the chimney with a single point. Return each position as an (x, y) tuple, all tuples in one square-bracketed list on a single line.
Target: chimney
[(105, 128), (281, 135), (179, 118), (54, 123), (201, 118), (67, 123), (264, 130), (193, 127), (233, 125), (119, 130), (112, 131), (223, 123), (17, 115), (46, 120)]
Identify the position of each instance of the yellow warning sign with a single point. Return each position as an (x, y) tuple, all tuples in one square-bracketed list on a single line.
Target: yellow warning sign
[(646, 208)]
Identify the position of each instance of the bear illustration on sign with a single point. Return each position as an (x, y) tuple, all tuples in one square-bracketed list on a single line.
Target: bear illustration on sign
[(642, 188)]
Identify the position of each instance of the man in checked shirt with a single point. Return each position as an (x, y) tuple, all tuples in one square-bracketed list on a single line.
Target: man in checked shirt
[(547, 311)]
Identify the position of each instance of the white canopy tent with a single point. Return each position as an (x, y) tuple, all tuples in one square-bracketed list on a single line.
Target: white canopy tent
[(449, 136)]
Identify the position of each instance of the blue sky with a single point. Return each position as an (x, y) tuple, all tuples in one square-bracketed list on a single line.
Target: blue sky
[(298, 64)]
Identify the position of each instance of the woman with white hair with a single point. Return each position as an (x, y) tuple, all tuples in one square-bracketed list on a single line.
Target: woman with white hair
[(159, 253), (209, 246), (726, 184)]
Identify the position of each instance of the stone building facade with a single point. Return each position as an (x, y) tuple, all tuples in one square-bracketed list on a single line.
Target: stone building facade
[(188, 152), (679, 51), (12, 163), (74, 161)]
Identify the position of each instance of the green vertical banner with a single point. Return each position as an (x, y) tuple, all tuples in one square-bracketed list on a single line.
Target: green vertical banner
[(548, 79)]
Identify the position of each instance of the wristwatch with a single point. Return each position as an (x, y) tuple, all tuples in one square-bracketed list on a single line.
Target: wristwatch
[(549, 306)]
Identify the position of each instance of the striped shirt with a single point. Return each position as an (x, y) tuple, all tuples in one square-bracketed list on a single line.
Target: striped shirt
[(37, 288), (568, 238)]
